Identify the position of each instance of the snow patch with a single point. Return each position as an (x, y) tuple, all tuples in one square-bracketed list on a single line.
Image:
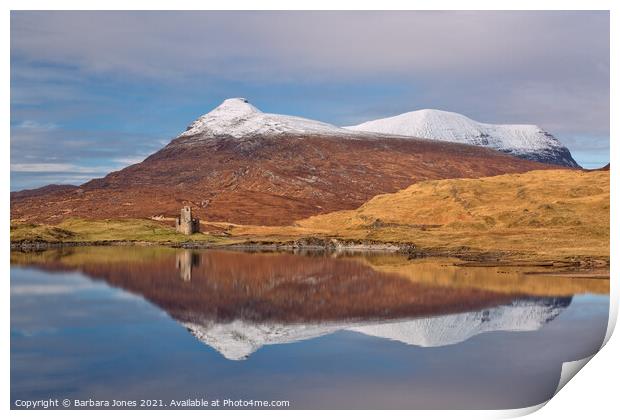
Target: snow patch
[(450, 126), (238, 118)]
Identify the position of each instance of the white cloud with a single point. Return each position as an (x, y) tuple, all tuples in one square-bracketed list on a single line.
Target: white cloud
[(130, 160), (47, 289), (327, 45), (36, 126), (59, 167)]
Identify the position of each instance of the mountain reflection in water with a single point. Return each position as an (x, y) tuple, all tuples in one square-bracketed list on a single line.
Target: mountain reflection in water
[(237, 302)]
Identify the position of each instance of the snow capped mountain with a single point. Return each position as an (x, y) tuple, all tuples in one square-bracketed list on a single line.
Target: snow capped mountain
[(240, 165), (238, 339), (238, 118), (521, 140)]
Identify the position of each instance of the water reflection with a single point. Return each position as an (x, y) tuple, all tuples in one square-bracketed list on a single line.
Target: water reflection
[(362, 331), (186, 261), (238, 339), (238, 302)]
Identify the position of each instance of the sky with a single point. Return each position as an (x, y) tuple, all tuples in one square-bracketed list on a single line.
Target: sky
[(92, 92)]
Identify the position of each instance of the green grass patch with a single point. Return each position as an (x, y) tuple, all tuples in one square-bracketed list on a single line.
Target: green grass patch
[(81, 230)]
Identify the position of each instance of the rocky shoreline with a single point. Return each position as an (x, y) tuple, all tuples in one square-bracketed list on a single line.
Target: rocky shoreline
[(316, 244), (467, 256)]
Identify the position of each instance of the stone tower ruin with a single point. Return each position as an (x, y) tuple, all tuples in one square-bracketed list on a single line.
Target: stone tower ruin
[(186, 224)]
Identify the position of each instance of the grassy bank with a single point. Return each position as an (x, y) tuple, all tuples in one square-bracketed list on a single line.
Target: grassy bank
[(80, 230)]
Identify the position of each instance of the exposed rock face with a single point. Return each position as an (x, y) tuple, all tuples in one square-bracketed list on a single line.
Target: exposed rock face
[(240, 165)]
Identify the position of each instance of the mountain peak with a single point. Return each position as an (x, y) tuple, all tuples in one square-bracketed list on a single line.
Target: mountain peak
[(430, 111), (526, 141), (237, 117), (236, 106)]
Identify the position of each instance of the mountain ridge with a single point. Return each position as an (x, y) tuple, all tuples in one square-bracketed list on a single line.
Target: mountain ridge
[(238, 118), (526, 141)]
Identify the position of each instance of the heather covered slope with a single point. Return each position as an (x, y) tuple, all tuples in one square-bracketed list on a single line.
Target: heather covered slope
[(264, 180)]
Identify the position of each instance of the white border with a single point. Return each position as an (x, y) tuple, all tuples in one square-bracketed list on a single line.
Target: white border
[(594, 394)]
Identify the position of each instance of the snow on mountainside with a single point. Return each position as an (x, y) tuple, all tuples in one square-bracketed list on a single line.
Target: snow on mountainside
[(521, 140), (238, 118), (239, 339)]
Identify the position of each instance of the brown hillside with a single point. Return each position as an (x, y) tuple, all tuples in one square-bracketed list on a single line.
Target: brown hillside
[(271, 180), (48, 190)]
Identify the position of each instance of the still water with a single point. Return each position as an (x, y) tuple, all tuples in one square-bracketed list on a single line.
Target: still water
[(319, 331)]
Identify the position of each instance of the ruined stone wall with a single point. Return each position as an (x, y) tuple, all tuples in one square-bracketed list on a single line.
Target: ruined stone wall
[(185, 223)]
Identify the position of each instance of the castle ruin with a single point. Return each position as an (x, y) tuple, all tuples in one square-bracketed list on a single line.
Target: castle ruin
[(186, 224)]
